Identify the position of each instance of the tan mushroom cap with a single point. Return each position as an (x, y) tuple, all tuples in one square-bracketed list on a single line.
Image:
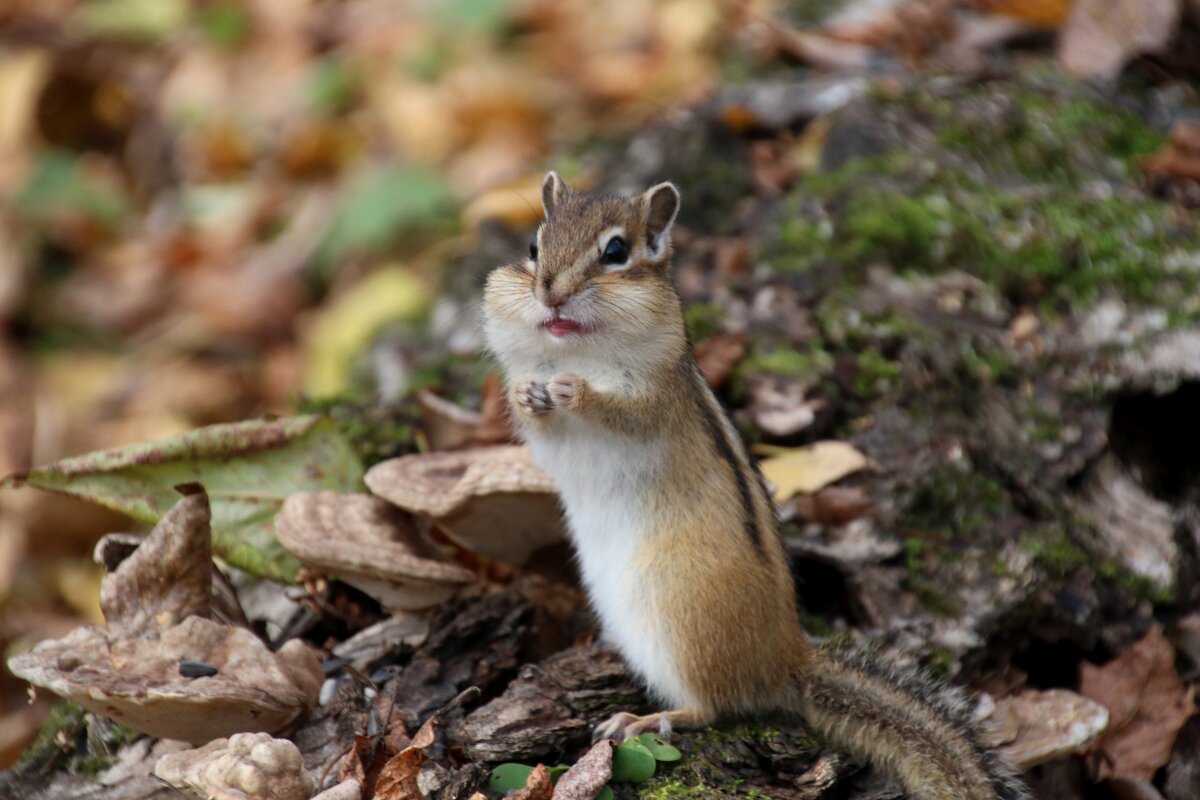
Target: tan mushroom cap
[(137, 681), (493, 500), (368, 543)]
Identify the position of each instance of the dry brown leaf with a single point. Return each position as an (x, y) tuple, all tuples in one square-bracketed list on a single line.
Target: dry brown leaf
[(834, 505), (587, 776), (1100, 36), (1180, 157), (538, 785), (398, 778), (1147, 704), (811, 468), (718, 355)]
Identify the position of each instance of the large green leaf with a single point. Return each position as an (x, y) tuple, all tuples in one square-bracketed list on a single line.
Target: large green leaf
[(248, 469)]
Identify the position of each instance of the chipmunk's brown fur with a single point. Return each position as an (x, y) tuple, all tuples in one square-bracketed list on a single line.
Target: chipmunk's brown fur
[(675, 532)]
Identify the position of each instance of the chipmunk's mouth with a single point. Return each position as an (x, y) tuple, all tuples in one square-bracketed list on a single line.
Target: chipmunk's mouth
[(561, 327)]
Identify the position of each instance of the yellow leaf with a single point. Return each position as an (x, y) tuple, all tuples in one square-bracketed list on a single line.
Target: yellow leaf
[(344, 329), (812, 468)]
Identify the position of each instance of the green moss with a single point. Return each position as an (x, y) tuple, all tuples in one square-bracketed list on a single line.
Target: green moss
[(82, 743), (1055, 552), (58, 736), (814, 363), (940, 663), (376, 431), (876, 374), (1033, 200), (954, 504), (675, 789)]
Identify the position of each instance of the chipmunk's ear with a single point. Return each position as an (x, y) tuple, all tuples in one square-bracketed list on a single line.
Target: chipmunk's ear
[(553, 191), (662, 204)]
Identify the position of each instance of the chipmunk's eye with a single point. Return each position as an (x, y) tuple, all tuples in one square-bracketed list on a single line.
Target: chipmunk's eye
[(533, 249), (615, 252)]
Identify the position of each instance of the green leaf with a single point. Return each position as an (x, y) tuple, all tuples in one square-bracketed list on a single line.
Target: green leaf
[(135, 20), (660, 748), (507, 777), (557, 772), (247, 468), (381, 204), (605, 794), (60, 184), (225, 22), (632, 763)]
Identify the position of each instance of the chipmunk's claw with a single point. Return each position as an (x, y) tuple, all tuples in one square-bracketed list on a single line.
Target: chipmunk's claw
[(566, 389), (533, 398)]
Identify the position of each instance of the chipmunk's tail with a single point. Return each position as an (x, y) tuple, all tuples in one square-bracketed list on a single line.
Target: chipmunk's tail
[(905, 723)]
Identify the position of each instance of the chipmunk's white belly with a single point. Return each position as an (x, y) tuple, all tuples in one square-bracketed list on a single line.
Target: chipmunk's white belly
[(605, 480)]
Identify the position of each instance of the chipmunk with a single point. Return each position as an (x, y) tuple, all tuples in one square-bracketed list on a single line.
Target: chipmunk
[(675, 533)]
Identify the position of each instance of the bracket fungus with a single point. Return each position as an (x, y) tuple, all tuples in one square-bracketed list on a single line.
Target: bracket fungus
[(246, 766), (369, 544), (160, 665), (493, 500)]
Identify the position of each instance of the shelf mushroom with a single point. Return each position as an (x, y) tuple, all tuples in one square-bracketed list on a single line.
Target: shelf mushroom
[(369, 544), (160, 665), (493, 500)]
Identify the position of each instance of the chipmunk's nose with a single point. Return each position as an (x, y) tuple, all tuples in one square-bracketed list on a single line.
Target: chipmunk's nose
[(548, 296)]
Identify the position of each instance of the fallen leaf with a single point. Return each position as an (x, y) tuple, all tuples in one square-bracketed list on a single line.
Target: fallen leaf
[(1147, 704), (1180, 157), (345, 328), (588, 776), (1043, 13), (252, 766), (812, 467), (717, 355), (365, 762), (537, 787), (398, 778), (247, 468), (834, 505), (1100, 36)]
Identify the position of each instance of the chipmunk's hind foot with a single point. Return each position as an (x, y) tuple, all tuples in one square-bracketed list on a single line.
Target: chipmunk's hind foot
[(623, 726)]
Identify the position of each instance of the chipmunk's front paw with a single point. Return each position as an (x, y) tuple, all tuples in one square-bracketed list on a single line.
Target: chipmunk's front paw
[(533, 398), (567, 390)]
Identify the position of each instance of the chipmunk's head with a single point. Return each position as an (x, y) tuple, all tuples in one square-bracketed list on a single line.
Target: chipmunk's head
[(597, 262)]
